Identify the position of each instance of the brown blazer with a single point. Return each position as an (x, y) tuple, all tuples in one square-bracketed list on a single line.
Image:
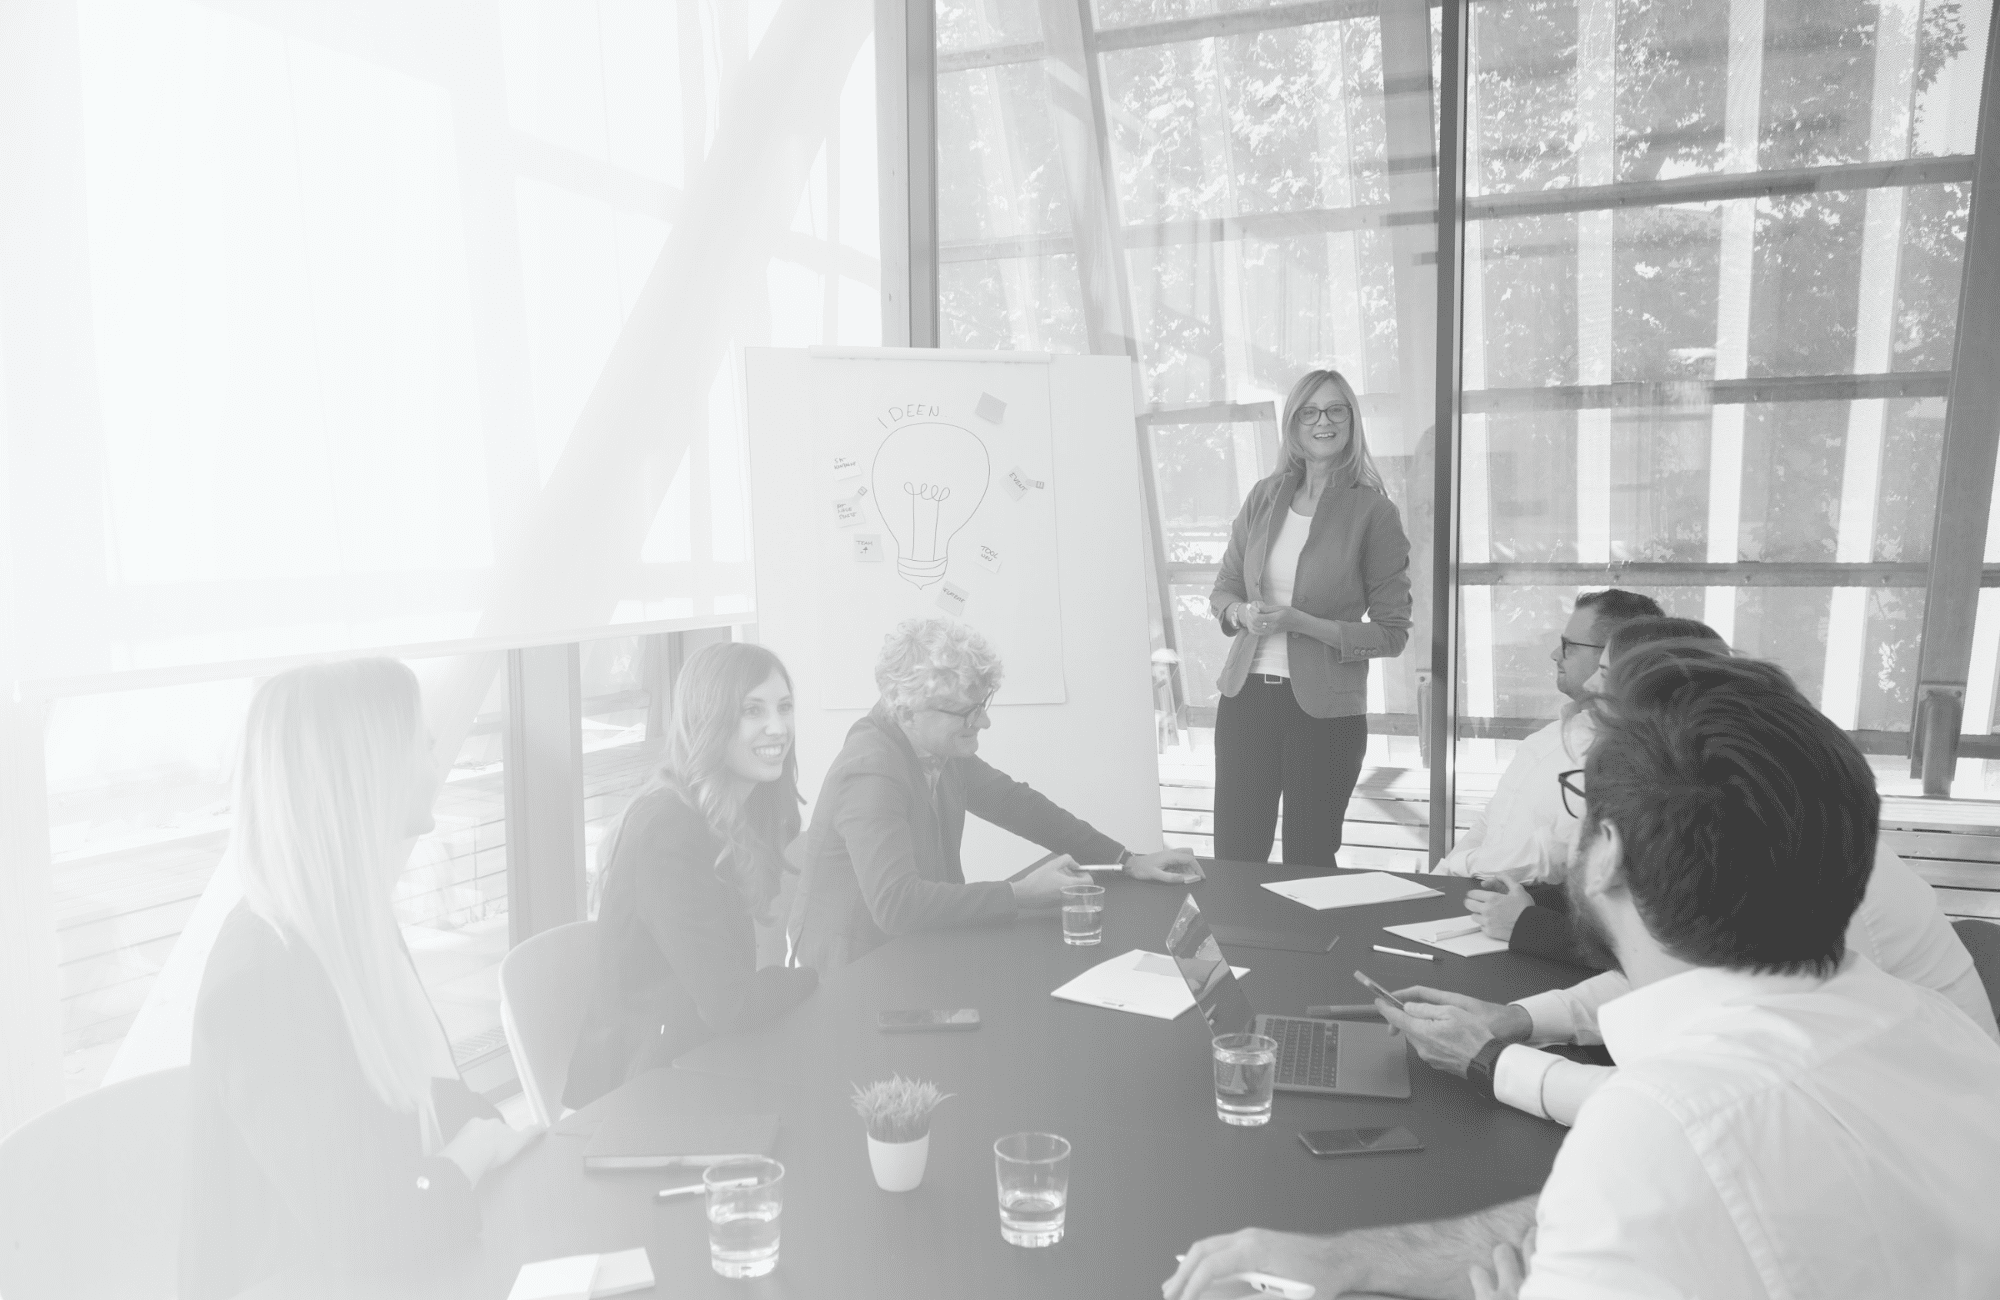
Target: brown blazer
[(1356, 564)]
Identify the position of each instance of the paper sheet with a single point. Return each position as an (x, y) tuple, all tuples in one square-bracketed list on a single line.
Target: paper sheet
[(1323, 892), (1476, 944), (1144, 983)]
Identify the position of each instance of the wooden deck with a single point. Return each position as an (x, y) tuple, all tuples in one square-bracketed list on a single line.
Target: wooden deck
[(1953, 844)]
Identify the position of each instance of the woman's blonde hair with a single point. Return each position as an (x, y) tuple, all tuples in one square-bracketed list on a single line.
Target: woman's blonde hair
[(322, 802), (708, 706), (925, 660), (1359, 466)]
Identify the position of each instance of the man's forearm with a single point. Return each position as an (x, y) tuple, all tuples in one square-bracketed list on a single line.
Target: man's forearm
[(1430, 1261)]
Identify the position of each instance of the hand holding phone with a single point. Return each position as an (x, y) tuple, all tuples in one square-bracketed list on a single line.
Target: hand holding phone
[(1378, 990), (927, 1021)]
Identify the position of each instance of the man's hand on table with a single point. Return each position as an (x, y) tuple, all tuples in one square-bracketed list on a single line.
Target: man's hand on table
[(1168, 866), (1498, 910), (1448, 1029), (1043, 886), (1510, 1270), (1209, 1262)]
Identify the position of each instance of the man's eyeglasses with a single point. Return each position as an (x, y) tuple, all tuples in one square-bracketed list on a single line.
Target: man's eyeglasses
[(1572, 784), (965, 715), (1335, 415), (1569, 645)]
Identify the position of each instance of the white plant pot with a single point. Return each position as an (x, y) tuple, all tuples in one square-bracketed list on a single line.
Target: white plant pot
[(899, 1166)]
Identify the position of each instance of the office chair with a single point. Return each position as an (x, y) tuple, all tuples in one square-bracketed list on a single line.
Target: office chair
[(545, 988), (90, 1194)]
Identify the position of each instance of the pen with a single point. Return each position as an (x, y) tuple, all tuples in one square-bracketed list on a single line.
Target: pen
[(1405, 952), (669, 1193)]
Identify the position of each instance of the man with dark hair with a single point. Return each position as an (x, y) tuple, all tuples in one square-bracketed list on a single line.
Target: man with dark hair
[(1515, 837), (1786, 1119)]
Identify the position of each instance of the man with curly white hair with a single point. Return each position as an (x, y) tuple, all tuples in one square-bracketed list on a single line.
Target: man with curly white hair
[(882, 854)]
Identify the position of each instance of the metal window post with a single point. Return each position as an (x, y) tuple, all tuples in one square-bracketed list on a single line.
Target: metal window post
[(906, 135), (1443, 685), (1965, 477), (544, 783)]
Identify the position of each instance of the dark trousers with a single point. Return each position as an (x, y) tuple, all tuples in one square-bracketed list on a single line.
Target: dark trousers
[(1267, 746)]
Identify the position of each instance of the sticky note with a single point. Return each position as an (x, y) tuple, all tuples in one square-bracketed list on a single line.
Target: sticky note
[(951, 599), (990, 409), (570, 1278), (846, 465), (847, 513), (989, 559), (868, 548), (621, 1272), (1019, 484)]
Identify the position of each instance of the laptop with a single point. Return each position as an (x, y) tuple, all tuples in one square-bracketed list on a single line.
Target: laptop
[(1353, 1058)]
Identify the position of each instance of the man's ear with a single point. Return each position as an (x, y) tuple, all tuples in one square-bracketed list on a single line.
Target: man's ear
[(1604, 861)]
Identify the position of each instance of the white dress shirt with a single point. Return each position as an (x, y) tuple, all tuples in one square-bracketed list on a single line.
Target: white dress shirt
[(1780, 1136), (1525, 832), (1281, 572), (1899, 928)]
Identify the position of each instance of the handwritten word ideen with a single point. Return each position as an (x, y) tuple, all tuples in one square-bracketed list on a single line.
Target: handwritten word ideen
[(914, 411)]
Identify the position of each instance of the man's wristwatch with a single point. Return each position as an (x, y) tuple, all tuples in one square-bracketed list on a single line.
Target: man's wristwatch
[(1479, 1071)]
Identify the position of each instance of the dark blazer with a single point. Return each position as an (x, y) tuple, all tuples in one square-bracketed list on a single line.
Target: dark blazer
[(1548, 929), (881, 856), (677, 955), (293, 1160), (1356, 562)]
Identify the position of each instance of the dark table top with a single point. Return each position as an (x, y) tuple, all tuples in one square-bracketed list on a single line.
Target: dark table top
[(1152, 1168)]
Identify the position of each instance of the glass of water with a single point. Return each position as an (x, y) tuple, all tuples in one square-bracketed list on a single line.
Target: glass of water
[(745, 1196), (1083, 915), (1033, 1171), (1245, 1065)]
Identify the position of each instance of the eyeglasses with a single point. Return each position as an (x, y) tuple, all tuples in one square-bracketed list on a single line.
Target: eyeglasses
[(1331, 414), (1572, 784), (1569, 645), (965, 715)]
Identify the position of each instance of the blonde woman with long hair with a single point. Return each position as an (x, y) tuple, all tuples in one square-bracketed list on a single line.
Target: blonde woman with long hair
[(1314, 584), (330, 1127), (694, 865)]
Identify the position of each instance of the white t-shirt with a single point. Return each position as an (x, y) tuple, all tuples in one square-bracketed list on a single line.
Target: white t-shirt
[(1281, 571), (1779, 1136)]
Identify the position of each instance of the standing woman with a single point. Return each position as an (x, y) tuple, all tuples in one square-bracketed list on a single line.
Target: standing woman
[(330, 1128), (695, 863), (1315, 583)]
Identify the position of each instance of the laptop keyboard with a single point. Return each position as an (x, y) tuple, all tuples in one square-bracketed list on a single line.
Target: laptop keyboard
[(1306, 1050)]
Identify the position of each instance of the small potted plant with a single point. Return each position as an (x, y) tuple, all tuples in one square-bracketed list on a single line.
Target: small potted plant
[(897, 1112)]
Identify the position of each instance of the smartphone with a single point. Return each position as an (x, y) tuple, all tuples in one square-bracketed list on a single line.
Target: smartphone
[(1359, 1141), (1377, 989), (920, 1022)]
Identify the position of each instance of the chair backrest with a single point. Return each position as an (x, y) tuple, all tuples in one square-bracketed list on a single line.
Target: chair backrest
[(1982, 940), (91, 1192), (545, 988)]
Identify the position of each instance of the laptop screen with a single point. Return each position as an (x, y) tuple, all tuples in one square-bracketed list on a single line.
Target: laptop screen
[(1222, 1001)]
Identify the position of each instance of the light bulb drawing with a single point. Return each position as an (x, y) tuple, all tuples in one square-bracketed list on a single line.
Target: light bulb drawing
[(928, 482)]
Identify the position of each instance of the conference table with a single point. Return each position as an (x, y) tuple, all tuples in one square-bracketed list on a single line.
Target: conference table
[(1151, 1170)]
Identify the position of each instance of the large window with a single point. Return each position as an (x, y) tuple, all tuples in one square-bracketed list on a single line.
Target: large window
[(1712, 255)]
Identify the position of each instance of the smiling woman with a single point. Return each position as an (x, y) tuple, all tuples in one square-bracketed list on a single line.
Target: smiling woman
[(694, 864)]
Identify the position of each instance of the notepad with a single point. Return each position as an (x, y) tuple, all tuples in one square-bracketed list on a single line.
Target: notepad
[(1144, 983), (649, 1140), (1476, 944), (584, 1277), (1323, 892)]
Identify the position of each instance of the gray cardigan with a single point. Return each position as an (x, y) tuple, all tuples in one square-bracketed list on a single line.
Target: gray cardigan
[(1356, 562)]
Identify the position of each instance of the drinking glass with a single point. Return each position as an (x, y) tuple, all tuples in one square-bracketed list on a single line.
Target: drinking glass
[(1033, 1172), (1245, 1065), (1083, 915), (745, 1196)]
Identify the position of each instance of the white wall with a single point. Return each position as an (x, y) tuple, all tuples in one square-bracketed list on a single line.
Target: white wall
[(1094, 754)]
